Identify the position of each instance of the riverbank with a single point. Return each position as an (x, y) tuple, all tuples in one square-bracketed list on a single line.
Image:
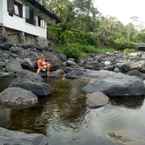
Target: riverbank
[(102, 77)]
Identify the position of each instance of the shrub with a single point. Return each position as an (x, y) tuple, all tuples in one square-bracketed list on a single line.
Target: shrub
[(77, 50), (71, 51)]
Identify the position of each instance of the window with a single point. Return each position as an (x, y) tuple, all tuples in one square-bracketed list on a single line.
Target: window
[(10, 7), (30, 18), (18, 9), (41, 22)]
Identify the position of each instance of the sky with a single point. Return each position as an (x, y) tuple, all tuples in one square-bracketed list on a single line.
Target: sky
[(123, 10)]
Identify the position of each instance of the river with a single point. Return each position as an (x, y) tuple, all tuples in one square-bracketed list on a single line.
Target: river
[(66, 120)]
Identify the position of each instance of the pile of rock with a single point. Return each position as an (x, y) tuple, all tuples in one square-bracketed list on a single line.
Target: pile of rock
[(21, 86), (117, 62)]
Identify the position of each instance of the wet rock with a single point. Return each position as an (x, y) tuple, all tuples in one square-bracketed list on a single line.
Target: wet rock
[(27, 64), (32, 82), (58, 74), (28, 75), (8, 137), (17, 97), (115, 84), (96, 100), (40, 89), (5, 79)]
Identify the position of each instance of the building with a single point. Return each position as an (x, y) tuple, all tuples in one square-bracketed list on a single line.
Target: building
[(24, 20)]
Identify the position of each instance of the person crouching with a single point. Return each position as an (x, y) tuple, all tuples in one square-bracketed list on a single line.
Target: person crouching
[(43, 66)]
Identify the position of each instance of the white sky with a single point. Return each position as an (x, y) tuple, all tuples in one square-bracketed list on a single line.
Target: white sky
[(123, 9)]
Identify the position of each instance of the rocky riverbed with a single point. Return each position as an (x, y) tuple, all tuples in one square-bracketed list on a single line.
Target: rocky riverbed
[(95, 81)]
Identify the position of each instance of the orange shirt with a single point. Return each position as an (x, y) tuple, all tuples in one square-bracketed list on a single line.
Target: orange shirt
[(42, 64)]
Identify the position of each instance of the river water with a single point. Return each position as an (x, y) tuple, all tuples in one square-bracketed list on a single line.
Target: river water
[(66, 120)]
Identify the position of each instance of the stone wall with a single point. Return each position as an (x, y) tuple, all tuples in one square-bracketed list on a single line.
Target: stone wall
[(17, 37)]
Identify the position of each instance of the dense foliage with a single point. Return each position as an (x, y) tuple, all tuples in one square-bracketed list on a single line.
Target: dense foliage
[(83, 30)]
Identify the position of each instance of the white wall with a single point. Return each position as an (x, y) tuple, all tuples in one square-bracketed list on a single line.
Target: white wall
[(17, 23), (1, 4)]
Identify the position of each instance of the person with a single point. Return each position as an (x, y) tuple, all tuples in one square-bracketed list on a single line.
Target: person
[(43, 65)]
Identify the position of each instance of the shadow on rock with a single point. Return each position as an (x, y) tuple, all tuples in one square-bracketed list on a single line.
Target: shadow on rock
[(129, 102)]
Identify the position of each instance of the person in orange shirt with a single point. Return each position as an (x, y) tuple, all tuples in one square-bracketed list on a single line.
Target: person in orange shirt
[(42, 65)]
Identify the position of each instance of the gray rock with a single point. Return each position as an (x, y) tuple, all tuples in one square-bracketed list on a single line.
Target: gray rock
[(40, 89), (70, 63), (5, 80), (96, 100), (138, 65), (2, 65), (17, 97), (136, 73), (27, 64), (14, 66), (126, 137), (5, 46), (28, 75), (15, 49), (73, 73), (116, 69), (115, 84), (8, 137), (123, 67), (58, 74), (62, 57), (32, 82)]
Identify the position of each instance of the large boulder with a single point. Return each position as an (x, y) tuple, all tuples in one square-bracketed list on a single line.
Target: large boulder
[(28, 75), (13, 66), (74, 73), (5, 79), (138, 65), (17, 97), (8, 137), (96, 100), (27, 64), (114, 84), (32, 82), (137, 73), (40, 89)]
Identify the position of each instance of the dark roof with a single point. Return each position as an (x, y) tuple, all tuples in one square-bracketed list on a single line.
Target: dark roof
[(44, 10)]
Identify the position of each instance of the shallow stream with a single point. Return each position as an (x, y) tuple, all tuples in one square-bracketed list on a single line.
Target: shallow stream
[(66, 120)]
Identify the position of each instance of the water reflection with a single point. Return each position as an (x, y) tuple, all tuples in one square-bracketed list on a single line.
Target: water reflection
[(65, 119), (67, 105), (129, 102)]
